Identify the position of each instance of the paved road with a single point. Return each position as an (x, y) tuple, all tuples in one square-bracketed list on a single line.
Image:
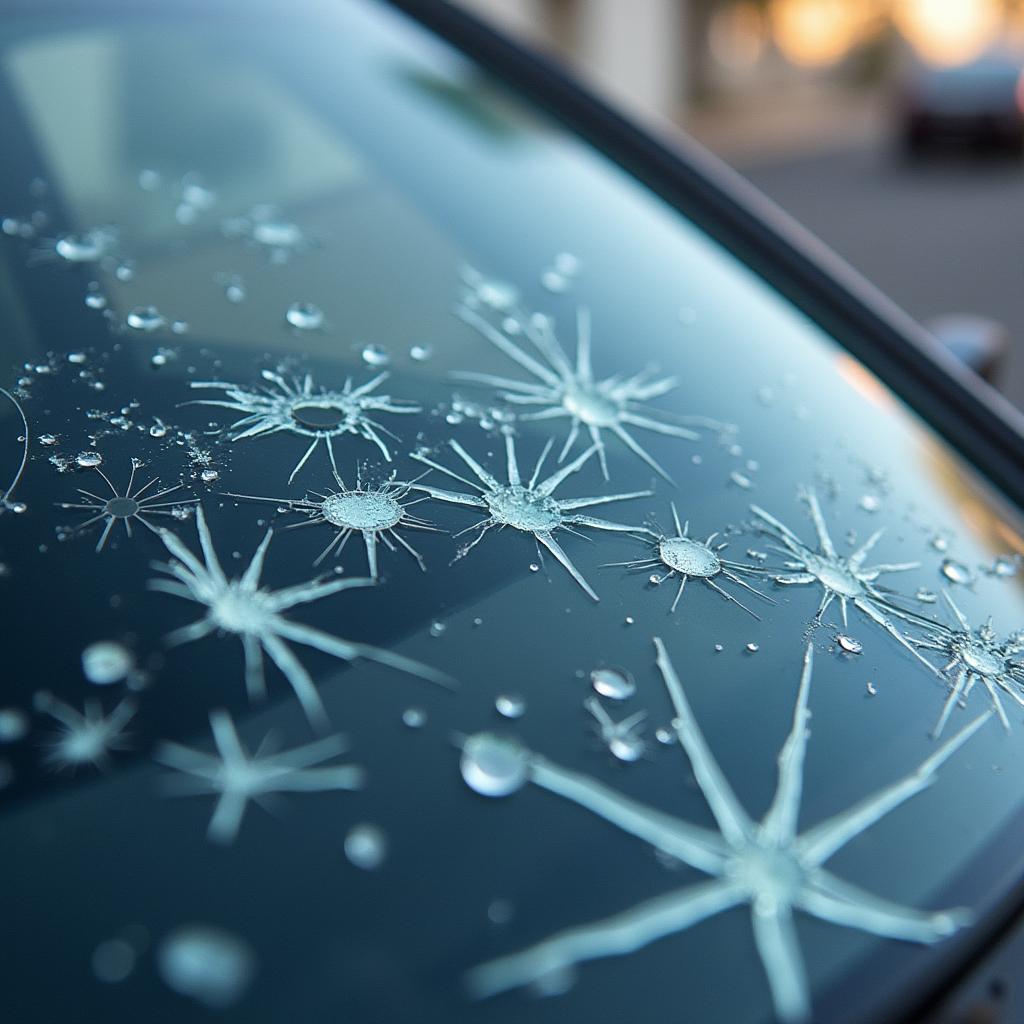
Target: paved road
[(944, 235)]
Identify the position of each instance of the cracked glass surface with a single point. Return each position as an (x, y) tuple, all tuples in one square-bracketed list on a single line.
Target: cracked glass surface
[(303, 205)]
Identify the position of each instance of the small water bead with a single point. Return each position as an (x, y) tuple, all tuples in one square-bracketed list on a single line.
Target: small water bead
[(77, 358), (179, 327), (870, 502), (366, 847), (719, 648), (665, 736), (753, 648), (106, 662), (375, 355), (492, 766), (940, 542), (82, 248), (125, 272), (741, 480), (96, 300), (956, 572), (209, 476), (149, 180), (47, 439), (654, 579), (629, 620), (89, 460), (849, 644), (1003, 567), (158, 429), (759, 556), (926, 596), (421, 353), (871, 688), (500, 911), (554, 282), (534, 567), (277, 234), (613, 683), (414, 718), (234, 291), (145, 318), (206, 963), (113, 961), (510, 705), (13, 725), (437, 628), (305, 316), (17, 507)]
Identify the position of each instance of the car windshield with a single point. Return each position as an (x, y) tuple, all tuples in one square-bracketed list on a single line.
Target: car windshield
[(436, 573)]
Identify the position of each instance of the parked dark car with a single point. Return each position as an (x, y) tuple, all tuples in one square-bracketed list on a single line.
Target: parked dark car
[(613, 600), (978, 103)]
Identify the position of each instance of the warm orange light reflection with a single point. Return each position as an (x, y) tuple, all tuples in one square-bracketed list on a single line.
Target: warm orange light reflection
[(736, 36), (819, 32), (863, 381), (949, 32)]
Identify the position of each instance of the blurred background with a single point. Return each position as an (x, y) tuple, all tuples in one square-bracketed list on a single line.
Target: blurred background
[(893, 129)]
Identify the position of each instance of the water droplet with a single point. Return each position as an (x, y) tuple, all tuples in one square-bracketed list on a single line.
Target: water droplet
[(629, 620), (1002, 567), (940, 542), (209, 476), (305, 316), (849, 644), (375, 355), (510, 705), (208, 964), (500, 911), (437, 628), (664, 736), (554, 282), (234, 291), (926, 596), (149, 180), (13, 725), (719, 648), (421, 353), (414, 718), (106, 662), (159, 429), (17, 507), (613, 683), (96, 300), (870, 502), (77, 358), (740, 480), (366, 847), (493, 766), (567, 263), (753, 648), (654, 579), (871, 688), (89, 460), (145, 318), (47, 439), (113, 961), (179, 327), (956, 572), (534, 567)]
